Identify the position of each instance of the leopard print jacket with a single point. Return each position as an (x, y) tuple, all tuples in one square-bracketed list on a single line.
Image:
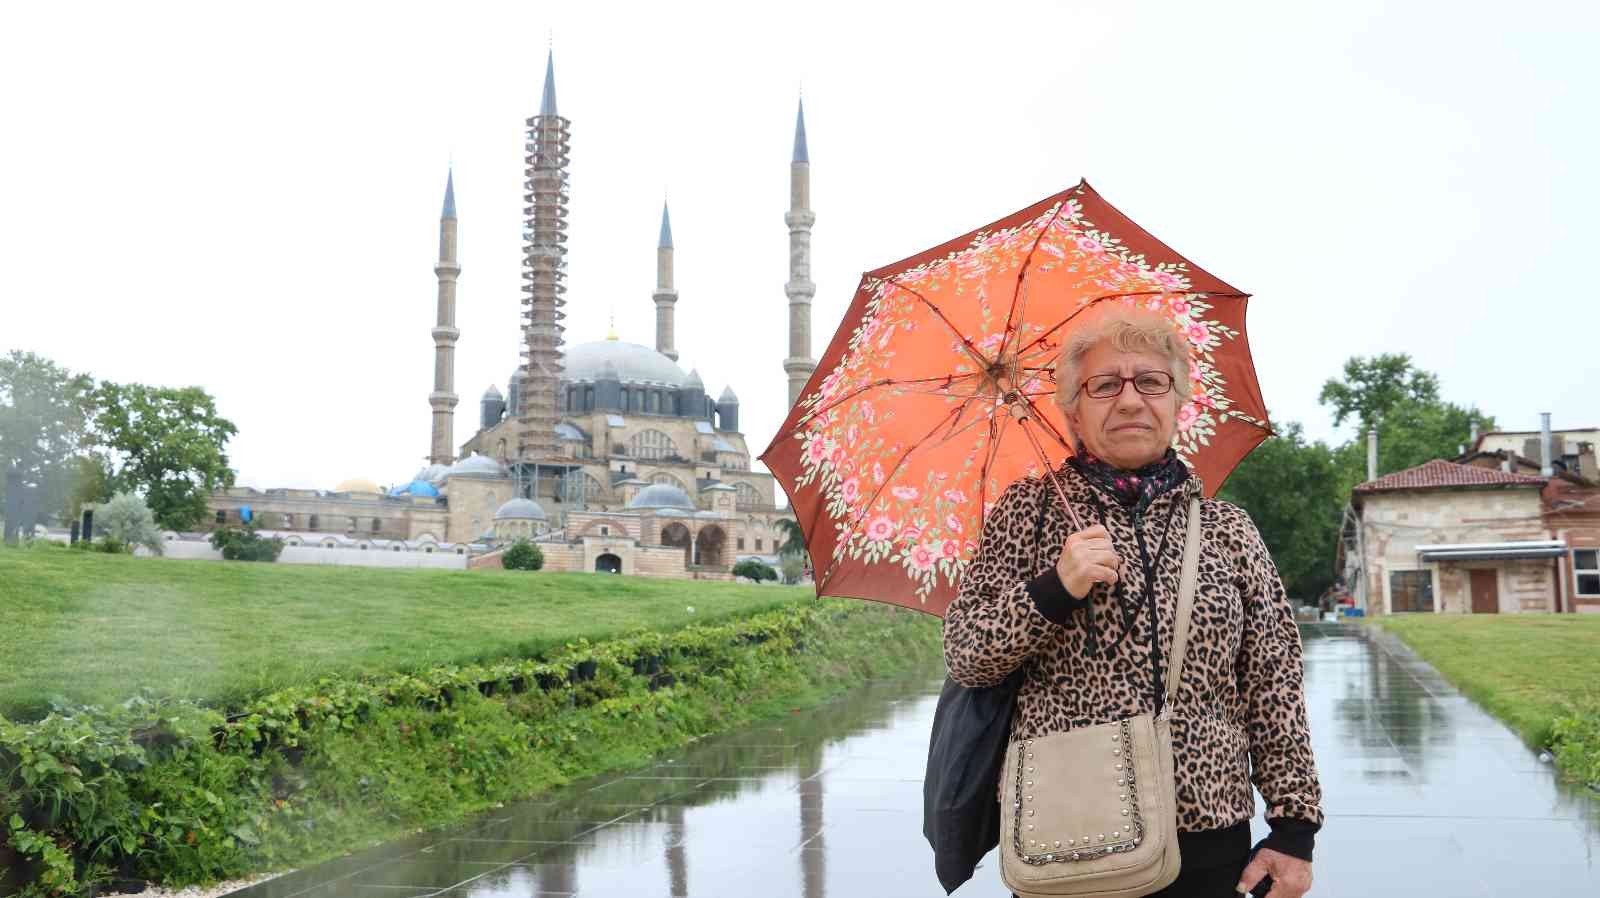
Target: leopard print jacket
[(1239, 716)]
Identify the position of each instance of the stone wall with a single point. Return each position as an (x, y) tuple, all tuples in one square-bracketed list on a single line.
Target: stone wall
[(1395, 523)]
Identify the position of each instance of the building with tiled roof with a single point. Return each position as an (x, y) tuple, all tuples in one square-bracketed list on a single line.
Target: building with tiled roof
[(1441, 474), (1479, 535)]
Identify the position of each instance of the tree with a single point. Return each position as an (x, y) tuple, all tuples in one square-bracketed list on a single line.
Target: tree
[(1295, 493), (127, 519), (791, 566), (1371, 387), (1410, 433), (523, 556), (167, 444), (45, 413), (754, 569), (794, 542)]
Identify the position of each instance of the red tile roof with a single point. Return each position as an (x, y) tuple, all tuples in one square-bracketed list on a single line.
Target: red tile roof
[(1440, 473)]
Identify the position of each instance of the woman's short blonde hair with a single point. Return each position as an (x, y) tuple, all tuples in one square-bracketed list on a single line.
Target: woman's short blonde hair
[(1129, 329)]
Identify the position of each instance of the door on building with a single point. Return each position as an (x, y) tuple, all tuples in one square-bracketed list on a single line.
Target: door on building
[(1485, 592), (608, 564)]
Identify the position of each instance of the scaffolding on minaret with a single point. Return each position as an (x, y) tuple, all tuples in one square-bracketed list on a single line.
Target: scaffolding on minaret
[(544, 274)]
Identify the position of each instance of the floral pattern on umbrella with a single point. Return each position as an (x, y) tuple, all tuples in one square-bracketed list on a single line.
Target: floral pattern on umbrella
[(898, 449)]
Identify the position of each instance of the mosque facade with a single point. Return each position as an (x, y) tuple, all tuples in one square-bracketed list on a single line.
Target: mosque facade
[(608, 454)]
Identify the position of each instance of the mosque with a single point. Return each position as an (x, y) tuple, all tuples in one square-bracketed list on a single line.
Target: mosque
[(607, 454)]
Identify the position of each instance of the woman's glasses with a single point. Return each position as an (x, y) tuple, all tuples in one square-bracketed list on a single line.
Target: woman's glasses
[(1110, 386)]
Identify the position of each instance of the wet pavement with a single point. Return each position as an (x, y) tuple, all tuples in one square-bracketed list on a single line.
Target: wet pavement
[(1425, 794)]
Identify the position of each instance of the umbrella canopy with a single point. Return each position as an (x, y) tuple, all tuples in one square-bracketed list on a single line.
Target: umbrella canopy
[(937, 390)]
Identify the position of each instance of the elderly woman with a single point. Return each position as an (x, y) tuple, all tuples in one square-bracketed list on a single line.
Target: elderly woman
[(1091, 621)]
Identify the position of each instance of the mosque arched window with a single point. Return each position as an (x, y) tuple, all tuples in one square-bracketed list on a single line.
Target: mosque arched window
[(625, 398), (668, 479), (588, 399), (747, 496), (377, 524), (651, 444)]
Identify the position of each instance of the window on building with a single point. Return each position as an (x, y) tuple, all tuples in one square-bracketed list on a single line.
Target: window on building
[(748, 496), (1586, 567), (363, 547), (758, 544), (377, 524), (1411, 591), (740, 542), (397, 547), (605, 531), (624, 398), (222, 516), (588, 398), (312, 524), (651, 444), (288, 521)]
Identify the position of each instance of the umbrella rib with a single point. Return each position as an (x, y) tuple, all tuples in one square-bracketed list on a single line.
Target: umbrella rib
[(884, 382), (1016, 292), (966, 342), (867, 505), (1091, 302), (997, 426)]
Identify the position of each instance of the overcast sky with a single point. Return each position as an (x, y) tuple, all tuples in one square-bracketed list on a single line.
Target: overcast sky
[(247, 198)]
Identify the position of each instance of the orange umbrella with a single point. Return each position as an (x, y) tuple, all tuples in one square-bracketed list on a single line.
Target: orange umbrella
[(936, 391)]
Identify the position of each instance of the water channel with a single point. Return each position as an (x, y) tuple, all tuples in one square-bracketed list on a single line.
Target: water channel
[(1425, 794)]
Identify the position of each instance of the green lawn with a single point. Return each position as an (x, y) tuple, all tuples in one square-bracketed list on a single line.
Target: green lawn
[(1525, 669), (96, 628)]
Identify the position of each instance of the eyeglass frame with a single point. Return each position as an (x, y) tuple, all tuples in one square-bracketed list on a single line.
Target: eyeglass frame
[(1083, 387)]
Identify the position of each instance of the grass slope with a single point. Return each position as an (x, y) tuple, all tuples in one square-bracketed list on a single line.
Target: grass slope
[(1525, 669), (96, 628)]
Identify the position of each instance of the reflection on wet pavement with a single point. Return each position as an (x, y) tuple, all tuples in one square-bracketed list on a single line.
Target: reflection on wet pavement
[(1425, 793)]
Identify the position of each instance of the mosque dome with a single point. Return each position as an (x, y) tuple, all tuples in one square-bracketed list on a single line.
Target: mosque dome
[(662, 495), (520, 510), (433, 474), (493, 393), (632, 362), (357, 485), (479, 465), (416, 488)]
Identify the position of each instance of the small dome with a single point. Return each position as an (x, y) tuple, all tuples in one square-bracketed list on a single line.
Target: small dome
[(493, 393), (480, 465), (357, 485), (694, 379), (662, 495), (520, 510), (728, 397), (433, 474)]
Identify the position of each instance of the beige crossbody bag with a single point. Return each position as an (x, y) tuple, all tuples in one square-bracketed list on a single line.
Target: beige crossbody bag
[(1093, 811)]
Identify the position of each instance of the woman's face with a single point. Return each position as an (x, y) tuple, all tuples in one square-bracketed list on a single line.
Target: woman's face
[(1129, 430)]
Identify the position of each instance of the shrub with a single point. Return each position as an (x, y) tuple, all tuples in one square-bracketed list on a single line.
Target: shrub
[(523, 556), (1576, 737), (754, 569), (128, 520), (109, 545), (245, 544)]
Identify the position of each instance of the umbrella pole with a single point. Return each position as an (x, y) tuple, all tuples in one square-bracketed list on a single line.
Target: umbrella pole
[(1023, 412)]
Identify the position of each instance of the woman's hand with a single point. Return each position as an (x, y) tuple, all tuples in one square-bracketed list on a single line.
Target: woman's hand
[(1291, 877), (1086, 559)]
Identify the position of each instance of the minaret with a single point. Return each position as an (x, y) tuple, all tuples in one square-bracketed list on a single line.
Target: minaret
[(443, 398), (799, 218), (544, 273), (665, 296)]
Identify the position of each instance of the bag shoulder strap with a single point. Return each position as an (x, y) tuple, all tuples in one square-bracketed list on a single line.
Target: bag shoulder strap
[(1180, 626)]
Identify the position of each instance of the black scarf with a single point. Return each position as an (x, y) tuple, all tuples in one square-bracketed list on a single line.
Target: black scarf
[(1133, 490)]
